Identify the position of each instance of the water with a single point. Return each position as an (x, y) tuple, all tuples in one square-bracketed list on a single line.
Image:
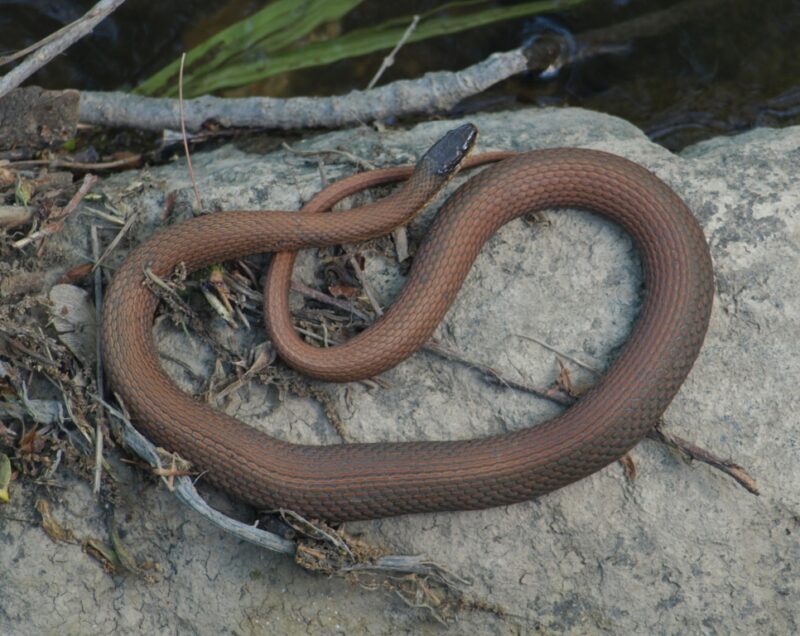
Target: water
[(723, 72)]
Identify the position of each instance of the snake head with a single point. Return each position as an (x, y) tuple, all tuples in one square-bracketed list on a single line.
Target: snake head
[(445, 156)]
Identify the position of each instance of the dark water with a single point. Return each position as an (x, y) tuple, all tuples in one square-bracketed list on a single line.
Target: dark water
[(726, 71)]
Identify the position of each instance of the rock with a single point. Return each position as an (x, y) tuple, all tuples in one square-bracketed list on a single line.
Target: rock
[(73, 316), (680, 549), (32, 118)]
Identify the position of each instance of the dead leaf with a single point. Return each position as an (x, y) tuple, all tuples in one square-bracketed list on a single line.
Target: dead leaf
[(628, 465), (5, 477), (76, 274), (169, 203), (124, 557), (31, 443), (564, 379), (53, 529), (102, 553), (7, 177), (343, 291), (24, 191)]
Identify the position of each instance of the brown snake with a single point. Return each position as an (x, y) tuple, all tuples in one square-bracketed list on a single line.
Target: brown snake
[(359, 481)]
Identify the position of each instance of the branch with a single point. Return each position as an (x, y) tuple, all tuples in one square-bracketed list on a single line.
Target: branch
[(55, 44), (433, 92)]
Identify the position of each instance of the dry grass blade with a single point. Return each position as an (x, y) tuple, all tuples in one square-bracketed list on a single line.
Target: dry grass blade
[(185, 138), (693, 451), (99, 379), (99, 260)]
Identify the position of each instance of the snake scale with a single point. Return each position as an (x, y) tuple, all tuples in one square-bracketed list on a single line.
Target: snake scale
[(361, 481)]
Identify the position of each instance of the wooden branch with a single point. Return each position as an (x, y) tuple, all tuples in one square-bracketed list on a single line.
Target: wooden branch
[(434, 92), (431, 93), (57, 43)]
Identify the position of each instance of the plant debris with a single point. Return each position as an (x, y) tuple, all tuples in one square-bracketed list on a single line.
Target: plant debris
[(53, 413), (5, 478)]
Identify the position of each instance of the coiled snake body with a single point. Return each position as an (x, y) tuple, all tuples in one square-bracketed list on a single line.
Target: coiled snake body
[(359, 481)]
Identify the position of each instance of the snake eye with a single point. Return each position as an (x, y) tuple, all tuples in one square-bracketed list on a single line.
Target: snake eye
[(447, 153)]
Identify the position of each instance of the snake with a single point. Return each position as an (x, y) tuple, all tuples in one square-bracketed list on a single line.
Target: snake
[(356, 481)]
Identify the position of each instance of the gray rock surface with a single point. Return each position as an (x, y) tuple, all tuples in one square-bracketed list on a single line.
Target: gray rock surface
[(679, 549)]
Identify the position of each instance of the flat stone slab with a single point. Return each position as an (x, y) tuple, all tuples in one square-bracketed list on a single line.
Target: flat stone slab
[(681, 548)]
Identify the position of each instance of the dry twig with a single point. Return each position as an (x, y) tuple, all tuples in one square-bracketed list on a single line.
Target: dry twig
[(369, 290), (389, 59), (56, 220), (319, 296), (184, 489), (685, 447), (693, 451), (560, 353), (358, 161), (552, 394), (80, 166)]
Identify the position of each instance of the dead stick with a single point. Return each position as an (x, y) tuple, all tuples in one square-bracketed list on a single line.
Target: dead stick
[(127, 162), (687, 448), (554, 395), (56, 45), (358, 161), (389, 59), (701, 454), (434, 92), (369, 290), (308, 292), (566, 356)]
